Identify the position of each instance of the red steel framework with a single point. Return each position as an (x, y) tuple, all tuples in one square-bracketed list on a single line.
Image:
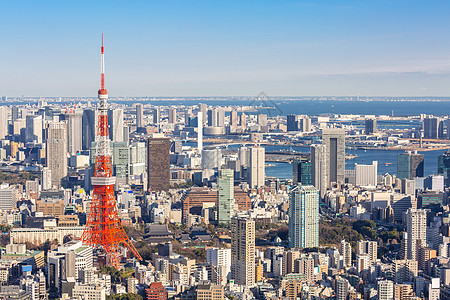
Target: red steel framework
[(103, 228)]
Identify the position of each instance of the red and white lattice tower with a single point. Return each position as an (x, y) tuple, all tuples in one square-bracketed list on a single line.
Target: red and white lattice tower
[(103, 228)]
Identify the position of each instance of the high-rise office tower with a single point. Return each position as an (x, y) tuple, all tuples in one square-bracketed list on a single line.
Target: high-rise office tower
[(200, 132), (15, 113), (89, 128), (366, 175), (137, 158), (334, 141), (431, 128), (3, 122), (444, 167), (319, 170), (203, 108), (74, 131), (158, 163), (292, 123), (385, 290), (243, 250), (46, 179), (410, 165), (234, 118), (345, 250), (416, 228), (225, 201), (156, 116), (370, 126), (34, 127), (304, 217), (57, 151), (120, 162), (139, 115), (301, 171), (256, 167), (172, 115), (115, 119)]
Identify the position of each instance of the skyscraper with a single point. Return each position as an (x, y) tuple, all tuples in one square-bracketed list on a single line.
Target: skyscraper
[(416, 228), (319, 172), (3, 122), (431, 128), (89, 128), (225, 199), (292, 123), (243, 250), (370, 126), (172, 115), (444, 167), (158, 163), (256, 167), (200, 132), (34, 126), (304, 217), (409, 165), (139, 115), (115, 119), (156, 116), (334, 141), (57, 152), (366, 175), (305, 123), (74, 131), (301, 171)]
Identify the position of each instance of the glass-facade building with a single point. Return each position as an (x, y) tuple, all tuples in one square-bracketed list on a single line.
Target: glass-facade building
[(304, 217)]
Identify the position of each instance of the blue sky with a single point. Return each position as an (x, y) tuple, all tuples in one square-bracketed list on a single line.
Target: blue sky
[(226, 48)]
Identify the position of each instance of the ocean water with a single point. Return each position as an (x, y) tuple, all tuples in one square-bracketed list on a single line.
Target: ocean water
[(285, 105), (387, 160)]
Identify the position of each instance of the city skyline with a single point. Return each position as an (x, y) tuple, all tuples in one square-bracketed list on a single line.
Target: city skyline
[(294, 48)]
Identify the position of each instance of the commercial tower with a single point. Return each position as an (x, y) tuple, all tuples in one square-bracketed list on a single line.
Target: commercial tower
[(115, 118), (139, 115), (57, 152), (334, 141), (3, 122), (444, 167), (304, 217), (319, 171), (416, 229), (74, 120), (301, 171), (243, 250), (158, 160), (225, 201), (366, 175), (103, 228), (370, 126), (200, 132), (257, 173), (409, 165), (89, 128)]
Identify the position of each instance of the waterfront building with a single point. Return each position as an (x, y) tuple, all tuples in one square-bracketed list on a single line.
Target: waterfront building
[(334, 141)]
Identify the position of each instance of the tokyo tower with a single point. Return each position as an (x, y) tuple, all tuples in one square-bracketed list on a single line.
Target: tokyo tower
[(103, 228)]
